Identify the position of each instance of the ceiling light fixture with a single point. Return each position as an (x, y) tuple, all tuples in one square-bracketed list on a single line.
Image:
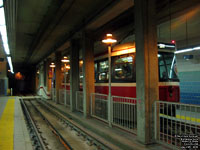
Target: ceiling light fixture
[(109, 39), (65, 60), (187, 50), (1, 3), (52, 65), (4, 38)]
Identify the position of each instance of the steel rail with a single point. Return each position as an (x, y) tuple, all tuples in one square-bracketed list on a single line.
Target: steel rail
[(30, 122), (62, 140), (61, 116)]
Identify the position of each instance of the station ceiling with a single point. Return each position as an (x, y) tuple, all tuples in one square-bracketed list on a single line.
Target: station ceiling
[(36, 29)]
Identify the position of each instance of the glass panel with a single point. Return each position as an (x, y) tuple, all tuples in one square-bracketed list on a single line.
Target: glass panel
[(123, 67), (167, 66), (103, 70), (162, 68), (96, 72)]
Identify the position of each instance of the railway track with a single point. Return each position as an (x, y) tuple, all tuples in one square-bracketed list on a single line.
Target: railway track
[(66, 135)]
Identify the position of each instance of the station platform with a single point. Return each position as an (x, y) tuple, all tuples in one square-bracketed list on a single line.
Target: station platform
[(13, 131), (120, 139)]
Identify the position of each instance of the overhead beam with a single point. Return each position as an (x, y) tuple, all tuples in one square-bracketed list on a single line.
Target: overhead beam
[(178, 7), (163, 14), (79, 27), (53, 11)]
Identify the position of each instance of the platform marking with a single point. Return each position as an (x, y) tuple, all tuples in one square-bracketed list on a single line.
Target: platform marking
[(181, 118), (7, 126), (188, 118)]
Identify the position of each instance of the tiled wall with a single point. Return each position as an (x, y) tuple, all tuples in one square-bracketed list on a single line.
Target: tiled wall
[(189, 75)]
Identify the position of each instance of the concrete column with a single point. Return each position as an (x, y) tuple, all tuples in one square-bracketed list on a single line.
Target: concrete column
[(45, 73), (58, 74), (3, 76), (88, 71), (41, 75), (74, 73), (36, 80), (48, 80), (146, 68), (41, 79)]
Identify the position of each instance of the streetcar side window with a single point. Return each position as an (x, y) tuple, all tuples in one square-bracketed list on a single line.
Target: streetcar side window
[(103, 71), (95, 72), (123, 68)]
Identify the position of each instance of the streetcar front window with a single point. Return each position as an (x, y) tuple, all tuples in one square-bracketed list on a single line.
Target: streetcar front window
[(167, 66)]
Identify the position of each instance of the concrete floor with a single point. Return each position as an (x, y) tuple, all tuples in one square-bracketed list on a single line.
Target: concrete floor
[(18, 134), (117, 138)]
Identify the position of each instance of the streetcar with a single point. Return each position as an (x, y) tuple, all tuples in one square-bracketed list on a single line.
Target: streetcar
[(123, 81)]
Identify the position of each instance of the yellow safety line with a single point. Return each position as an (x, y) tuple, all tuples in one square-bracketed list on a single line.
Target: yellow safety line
[(7, 126), (188, 118), (182, 117)]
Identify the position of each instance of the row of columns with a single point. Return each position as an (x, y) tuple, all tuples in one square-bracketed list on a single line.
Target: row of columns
[(86, 46), (146, 69)]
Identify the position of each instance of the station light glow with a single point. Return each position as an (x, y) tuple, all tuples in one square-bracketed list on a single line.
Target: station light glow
[(187, 50), (81, 62), (173, 41), (10, 64), (52, 65), (118, 69), (125, 51), (67, 67), (161, 45), (65, 60), (3, 32), (109, 39), (1, 3)]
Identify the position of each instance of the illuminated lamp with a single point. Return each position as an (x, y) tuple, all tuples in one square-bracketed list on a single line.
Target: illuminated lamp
[(65, 60), (52, 65), (18, 76), (67, 67), (109, 40), (173, 41), (187, 50)]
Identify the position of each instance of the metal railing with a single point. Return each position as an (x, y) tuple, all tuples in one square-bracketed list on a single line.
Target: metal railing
[(99, 106), (53, 94), (61, 96), (175, 122), (67, 97), (124, 113), (79, 101), (64, 97)]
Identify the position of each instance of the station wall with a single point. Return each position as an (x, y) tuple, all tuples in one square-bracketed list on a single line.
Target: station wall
[(189, 75)]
